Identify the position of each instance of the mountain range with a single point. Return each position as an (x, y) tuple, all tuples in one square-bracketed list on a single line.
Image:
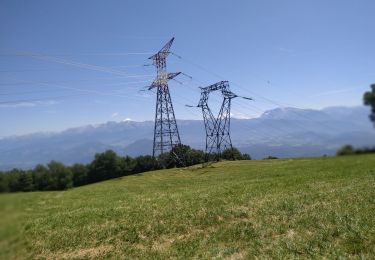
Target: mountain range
[(281, 132)]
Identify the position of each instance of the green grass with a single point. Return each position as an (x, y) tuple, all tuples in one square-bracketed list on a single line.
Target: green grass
[(292, 208)]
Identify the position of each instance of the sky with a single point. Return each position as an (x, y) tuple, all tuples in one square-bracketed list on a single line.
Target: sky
[(71, 63)]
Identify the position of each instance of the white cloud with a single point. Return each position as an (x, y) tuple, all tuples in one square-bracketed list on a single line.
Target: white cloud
[(115, 114), (240, 115), (286, 50), (127, 119), (29, 104)]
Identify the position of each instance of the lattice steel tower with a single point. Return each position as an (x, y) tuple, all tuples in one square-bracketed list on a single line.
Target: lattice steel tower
[(166, 134), (217, 128)]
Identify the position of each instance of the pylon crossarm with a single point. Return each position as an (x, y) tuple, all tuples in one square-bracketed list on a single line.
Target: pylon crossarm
[(164, 52), (173, 75)]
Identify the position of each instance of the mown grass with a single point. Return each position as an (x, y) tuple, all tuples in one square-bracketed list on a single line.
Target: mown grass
[(292, 208)]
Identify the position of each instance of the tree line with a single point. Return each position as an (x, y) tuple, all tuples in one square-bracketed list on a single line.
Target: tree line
[(350, 150), (107, 165)]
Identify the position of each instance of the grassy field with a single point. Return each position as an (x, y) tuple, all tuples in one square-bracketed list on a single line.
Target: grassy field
[(292, 208)]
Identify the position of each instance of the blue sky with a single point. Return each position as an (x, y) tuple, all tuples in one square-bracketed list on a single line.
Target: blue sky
[(72, 63)]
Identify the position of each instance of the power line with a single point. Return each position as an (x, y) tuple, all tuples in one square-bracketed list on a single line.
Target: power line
[(234, 110), (247, 104), (49, 90), (64, 69), (279, 104), (74, 63), (27, 92), (36, 100), (78, 80), (260, 121), (81, 90), (84, 54)]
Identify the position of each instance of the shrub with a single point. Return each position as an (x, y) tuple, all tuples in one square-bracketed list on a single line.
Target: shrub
[(345, 150), (270, 157)]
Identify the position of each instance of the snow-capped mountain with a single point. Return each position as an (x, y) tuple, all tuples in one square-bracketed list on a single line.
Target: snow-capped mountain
[(281, 132)]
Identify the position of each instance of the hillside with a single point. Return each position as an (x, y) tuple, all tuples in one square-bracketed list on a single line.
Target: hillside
[(281, 132), (321, 207)]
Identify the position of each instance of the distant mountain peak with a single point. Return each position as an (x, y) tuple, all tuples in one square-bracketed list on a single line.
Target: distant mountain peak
[(288, 132), (291, 113)]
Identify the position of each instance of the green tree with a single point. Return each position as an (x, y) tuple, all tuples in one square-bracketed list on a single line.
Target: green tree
[(25, 181), (164, 160), (3, 182), (345, 150), (270, 157), (13, 178), (80, 174), (234, 154), (61, 176), (186, 155), (189, 156), (127, 165), (369, 100), (105, 166), (146, 163), (42, 178), (179, 156), (196, 157), (246, 156)]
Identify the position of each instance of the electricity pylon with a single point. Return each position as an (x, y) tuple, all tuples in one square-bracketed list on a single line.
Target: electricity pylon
[(217, 128), (166, 135)]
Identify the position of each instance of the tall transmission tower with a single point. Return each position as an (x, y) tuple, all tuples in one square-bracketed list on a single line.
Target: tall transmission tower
[(166, 135), (217, 128)]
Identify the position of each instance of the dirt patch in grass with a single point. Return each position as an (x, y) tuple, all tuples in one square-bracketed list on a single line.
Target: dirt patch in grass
[(93, 252)]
